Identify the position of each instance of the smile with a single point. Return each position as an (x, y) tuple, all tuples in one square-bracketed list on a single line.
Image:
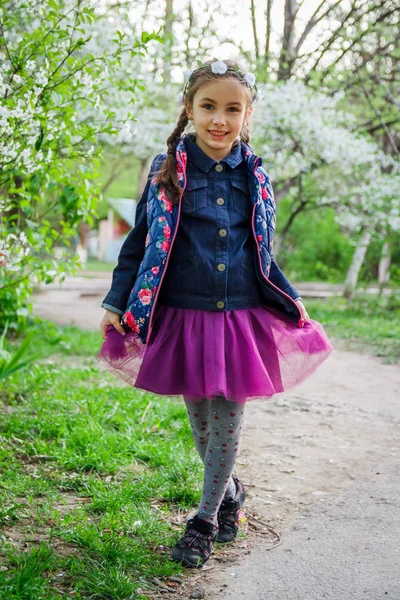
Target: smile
[(218, 133)]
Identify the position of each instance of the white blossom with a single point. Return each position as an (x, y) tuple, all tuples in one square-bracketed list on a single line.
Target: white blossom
[(30, 65), (41, 77)]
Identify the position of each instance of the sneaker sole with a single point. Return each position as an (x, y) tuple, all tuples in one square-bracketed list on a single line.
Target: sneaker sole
[(187, 560)]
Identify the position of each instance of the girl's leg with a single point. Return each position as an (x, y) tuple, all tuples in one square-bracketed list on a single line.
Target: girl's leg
[(200, 418), (225, 423), (199, 422)]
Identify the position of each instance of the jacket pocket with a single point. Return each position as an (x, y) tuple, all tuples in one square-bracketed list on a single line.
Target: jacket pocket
[(195, 195), (241, 197)]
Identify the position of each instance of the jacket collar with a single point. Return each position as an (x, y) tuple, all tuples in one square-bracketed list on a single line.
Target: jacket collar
[(204, 162), (253, 162)]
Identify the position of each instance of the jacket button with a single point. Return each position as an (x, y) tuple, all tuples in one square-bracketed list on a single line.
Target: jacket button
[(219, 168), (222, 232), (221, 267), (220, 201), (220, 304)]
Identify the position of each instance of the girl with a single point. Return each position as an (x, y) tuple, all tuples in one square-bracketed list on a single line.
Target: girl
[(198, 306)]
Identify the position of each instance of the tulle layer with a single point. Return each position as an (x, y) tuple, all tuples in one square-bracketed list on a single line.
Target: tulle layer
[(246, 354)]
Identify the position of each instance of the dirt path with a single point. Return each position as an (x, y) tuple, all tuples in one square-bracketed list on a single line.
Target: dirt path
[(313, 441), (304, 448)]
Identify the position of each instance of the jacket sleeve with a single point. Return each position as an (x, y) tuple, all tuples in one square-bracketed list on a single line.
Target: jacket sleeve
[(130, 256), (277, 277)]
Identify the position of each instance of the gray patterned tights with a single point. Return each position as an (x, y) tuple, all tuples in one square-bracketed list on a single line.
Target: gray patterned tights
[(217, 430)]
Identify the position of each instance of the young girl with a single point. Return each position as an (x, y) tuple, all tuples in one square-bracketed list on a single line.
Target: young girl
[(198, 306)]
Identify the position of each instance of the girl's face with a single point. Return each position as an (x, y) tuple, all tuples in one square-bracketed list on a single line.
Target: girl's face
[(219, 112)]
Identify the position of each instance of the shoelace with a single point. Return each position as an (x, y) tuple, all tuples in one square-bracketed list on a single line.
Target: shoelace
[(227, 516), (195, 538)]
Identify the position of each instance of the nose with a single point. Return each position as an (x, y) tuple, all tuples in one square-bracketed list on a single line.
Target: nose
[(219, 119)]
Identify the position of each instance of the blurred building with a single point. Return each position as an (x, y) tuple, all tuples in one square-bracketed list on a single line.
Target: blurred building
[(106, 243)]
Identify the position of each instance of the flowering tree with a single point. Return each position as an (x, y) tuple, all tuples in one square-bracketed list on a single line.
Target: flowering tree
[(299, 131), (144, 132), (49, 148), (317, 158), (373, 211)]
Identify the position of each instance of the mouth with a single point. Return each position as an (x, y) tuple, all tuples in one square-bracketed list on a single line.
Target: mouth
[(218, 134)]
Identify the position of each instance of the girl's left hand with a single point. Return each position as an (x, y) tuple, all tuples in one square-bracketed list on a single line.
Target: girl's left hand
[(303, 311)]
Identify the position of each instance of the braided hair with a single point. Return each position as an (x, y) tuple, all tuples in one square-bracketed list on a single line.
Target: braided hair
[(166, 176)]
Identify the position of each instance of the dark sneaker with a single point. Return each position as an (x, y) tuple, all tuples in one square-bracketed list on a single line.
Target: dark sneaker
[(195, 546), (228, 514)]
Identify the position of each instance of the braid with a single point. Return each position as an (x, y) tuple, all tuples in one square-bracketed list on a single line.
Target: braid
[(167, 173), (245, 135)]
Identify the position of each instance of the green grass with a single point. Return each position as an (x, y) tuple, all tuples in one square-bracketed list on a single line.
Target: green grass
[(125, 459), (98, 265), (69, 430), (366, 323)]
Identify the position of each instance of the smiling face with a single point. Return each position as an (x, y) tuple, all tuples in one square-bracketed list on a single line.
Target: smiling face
[(220, 110)]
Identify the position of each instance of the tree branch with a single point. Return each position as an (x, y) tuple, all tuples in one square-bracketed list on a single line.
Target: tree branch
[(378, 114), (314, 21), (254, 25)]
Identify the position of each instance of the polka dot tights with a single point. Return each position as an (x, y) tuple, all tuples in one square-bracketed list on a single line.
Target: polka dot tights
[(217, 429)]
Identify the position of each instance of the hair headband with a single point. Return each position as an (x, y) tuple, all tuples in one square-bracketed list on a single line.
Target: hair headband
[(220, 68)]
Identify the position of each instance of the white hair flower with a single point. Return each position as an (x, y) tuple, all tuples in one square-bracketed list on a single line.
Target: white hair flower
[(187, 75), (219, 67), (180, 98), (250, 79)]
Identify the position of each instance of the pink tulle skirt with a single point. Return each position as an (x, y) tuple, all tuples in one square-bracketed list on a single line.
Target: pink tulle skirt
[(246, 354)]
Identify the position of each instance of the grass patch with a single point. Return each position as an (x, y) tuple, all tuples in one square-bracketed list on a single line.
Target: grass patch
[(89, 490), (367, 323), (98, 265), (59, 341)]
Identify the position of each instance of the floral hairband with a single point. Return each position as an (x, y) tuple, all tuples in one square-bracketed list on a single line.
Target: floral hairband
[(220, 68)]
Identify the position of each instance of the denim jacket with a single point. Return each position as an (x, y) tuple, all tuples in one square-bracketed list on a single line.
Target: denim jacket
[(145, 255), (212, 258)]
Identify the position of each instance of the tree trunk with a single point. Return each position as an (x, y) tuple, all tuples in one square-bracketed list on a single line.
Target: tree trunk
[(287, 55), (81, 250), (268, 32), (254, 24), (189, 34), (357, 262), (142, 177), (384, 264), (169, 18)]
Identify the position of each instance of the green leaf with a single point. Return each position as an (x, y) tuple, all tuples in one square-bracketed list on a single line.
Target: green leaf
[(39, 141)]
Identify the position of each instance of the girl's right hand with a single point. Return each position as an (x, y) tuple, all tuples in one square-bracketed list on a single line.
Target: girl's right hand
[(111, 318)]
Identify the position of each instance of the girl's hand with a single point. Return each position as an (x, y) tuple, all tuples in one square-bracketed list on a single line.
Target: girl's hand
[(111, 318), (303, 311)]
